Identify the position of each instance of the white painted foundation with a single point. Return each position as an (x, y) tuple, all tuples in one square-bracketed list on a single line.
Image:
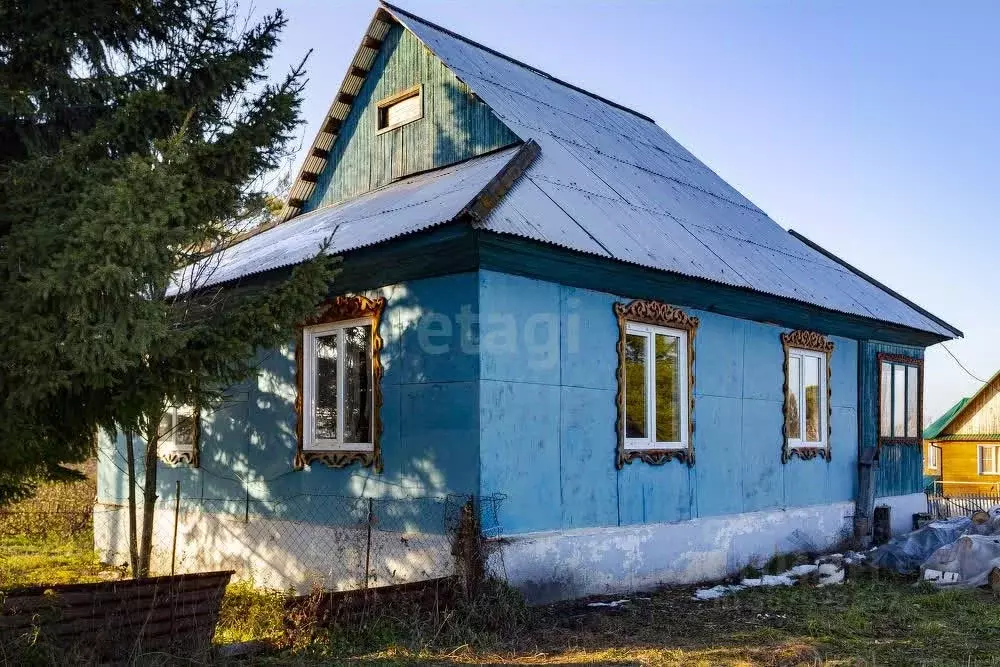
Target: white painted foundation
[(276, 553), (561, 565), (903, 509)]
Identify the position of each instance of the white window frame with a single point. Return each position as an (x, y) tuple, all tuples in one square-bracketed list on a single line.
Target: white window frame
[(167, 442), (650, 442), (309, 336), (800, 397), (996, 461), (933, 457)]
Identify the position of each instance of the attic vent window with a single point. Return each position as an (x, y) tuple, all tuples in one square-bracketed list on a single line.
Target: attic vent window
[(401, 108)]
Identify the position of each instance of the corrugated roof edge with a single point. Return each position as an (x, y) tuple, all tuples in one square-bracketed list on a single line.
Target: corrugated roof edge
[(478, 208), (885, 288), (717, 283), (395, 9), (969, 437)]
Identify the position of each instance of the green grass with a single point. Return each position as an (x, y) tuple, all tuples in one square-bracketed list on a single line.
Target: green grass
[(249, 614), (49, 538), (26, 561), (872, 620)]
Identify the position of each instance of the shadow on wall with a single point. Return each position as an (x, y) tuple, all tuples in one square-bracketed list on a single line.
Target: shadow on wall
[(430, 430)]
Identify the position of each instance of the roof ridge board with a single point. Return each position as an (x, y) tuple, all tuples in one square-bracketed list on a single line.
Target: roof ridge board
[(882, 286), (394, 9)]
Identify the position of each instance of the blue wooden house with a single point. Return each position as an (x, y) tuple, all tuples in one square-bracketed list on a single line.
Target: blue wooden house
[(546, 299)]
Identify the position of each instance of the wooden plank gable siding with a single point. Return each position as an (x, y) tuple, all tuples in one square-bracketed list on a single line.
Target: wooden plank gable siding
[(981, 415), (900, 468), (456, 125)]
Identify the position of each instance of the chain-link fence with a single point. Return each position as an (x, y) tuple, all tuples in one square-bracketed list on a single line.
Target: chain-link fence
[(302, 541)]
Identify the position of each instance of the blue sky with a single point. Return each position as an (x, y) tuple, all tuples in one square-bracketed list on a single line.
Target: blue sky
[(870, 128)]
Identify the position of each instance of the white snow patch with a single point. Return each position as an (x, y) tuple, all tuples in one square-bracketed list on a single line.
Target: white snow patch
[(830, 570), (614, 603)]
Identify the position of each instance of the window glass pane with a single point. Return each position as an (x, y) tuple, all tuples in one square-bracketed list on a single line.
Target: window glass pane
[(885, 402), (668, 389), (184, 431), (635, 386), (986, 458), (898, 401), (166, 428), (357, 384), (402, 111), (812, 399), (912, 384), (792, 418), (325, 416)]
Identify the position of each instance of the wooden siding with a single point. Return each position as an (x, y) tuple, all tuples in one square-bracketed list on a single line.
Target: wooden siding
[(960, 463), (981, 415), (456, 125), (900, 468), (928, 471)]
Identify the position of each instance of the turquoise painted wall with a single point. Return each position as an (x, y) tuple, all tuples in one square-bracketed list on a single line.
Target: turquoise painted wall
[(430, 417), (547, 417), (456, 125), (901, 467), (503, 384)]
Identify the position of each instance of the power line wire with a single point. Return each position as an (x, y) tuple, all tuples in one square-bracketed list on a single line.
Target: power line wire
[(961, 365)]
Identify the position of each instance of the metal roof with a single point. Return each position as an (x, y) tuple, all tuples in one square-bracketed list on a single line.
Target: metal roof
[(610, 182), (938, 425), (971, 437), (406, 206)]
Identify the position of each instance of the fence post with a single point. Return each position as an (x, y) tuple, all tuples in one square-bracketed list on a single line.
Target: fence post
[(368, 546), (177, 511)]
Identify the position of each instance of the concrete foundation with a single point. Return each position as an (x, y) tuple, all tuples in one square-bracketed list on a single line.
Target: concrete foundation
[(561, 565)]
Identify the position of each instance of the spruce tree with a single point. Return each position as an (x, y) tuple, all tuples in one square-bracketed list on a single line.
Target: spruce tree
[(136, 137)]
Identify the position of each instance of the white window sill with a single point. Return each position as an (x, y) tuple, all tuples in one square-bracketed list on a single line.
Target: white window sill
[(324, 446)]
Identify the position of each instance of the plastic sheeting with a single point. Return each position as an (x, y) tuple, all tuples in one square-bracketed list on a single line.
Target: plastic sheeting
[(955, 552), (972, 557), (905, 554)]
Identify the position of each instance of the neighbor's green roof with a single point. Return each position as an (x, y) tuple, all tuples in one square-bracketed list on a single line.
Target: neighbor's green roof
[(970, 437), (932, 431)]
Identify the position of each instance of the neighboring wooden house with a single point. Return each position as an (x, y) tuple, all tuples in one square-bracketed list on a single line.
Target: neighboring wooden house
[(962, 448), (546, 297)]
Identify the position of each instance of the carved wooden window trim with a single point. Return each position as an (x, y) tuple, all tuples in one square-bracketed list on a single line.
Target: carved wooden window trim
[(900, 360), (812, 342), (657, 314), (183, 457), (341, 309)]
